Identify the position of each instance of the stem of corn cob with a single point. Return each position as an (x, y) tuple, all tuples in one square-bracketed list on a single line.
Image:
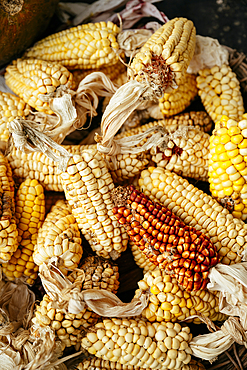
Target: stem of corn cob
[(197, 209), (183, 251)]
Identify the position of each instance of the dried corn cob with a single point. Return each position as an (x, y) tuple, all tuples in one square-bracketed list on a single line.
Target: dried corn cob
[(95, 363), (8, 228), (170, 302), (165, 57), (139, 343), (197, 209), (30, 213), (179, 99), (140, 259), (219, 90), (227, 165), (29, 78), (200, 120), (111, 71), (86, 46), (94, 273), (59, 237), (184, 252), (87, 184), (185, 152), (11, 107), (38, 166)]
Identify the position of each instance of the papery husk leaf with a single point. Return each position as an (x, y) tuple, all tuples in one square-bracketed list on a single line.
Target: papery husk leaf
[(130, 41), (69, 297), (208, 53), (9, 358)]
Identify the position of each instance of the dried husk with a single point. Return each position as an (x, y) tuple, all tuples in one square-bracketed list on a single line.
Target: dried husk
[(238, 63), (208, 53), (70, 298)]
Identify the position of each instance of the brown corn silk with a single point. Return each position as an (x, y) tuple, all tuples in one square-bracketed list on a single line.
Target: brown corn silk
[(184, 252)]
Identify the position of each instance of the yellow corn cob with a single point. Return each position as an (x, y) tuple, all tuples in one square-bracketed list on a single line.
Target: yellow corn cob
[(87, 185), (29, 78), (94, 273), (59, 237), (111, 71), (170, 302), (139, 343), (165, 57), (179, 99), (95, 363), (220, 93), (38, 166), (140, 259), (86, 46), (227, 165), (197, 209), (11, 107), (30, 213), (8, 228)]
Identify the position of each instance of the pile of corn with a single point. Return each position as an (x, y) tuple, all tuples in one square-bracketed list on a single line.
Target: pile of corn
[(173, 230)]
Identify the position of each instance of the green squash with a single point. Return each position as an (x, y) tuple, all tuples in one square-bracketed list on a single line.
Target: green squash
[(22, 22)]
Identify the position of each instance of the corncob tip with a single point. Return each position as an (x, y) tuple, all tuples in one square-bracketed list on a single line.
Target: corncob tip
[(181, 250)]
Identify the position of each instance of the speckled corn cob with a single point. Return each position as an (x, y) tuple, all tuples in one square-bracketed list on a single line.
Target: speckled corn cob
[(185, 150), (59, 237), (197, 209), (140, 259), (165, 57), (8, 228), (30, 213), (181, 250), (93, 273), (29, 78), (111, 71), (227, 165), (87, 185), (95, 363), (11, 107), (86, 46), (170, 302), (198, 119), (176, 101), (38, 166), (220, 93), (139, 343)]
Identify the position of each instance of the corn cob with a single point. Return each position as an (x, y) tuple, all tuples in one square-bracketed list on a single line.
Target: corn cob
[(179, 99), (86, 46), (87, 184), (139, 343), (11, 107), (95, 363), (184, 252), (94, 273), (111, 71), (219, 90), (200, 120), (227, 165), (165, 57), (140, 259), (59, 237), (8, 228), (38, 166), (170, 303), (30, 213), (185, 150), (197, 209), (29, 78)]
